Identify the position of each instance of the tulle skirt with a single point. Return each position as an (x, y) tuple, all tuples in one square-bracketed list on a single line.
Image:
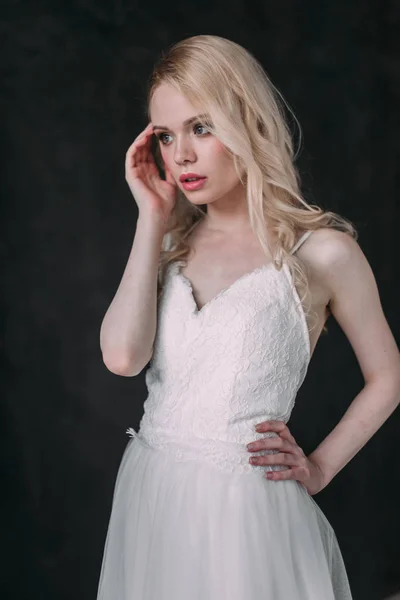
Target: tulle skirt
[(187, 531)]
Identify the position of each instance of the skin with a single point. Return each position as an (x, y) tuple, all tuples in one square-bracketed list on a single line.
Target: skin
[(192, 148), (341, 284)]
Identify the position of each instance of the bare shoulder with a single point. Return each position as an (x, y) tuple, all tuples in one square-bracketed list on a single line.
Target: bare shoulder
[(328, 251), (327, 247), (337, 262)]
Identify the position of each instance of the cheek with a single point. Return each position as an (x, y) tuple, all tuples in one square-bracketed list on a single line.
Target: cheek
[(218, 148), (222, 156)]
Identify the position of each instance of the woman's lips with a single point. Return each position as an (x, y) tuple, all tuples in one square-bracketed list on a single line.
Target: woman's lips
[(194, 185)]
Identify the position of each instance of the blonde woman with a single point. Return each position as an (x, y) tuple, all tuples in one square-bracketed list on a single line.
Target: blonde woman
[(231, 278)]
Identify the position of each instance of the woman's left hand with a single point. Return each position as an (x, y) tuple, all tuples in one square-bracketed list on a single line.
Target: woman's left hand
[(300, 468)]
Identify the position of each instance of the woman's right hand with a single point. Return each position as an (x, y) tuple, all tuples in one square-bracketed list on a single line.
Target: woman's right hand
[(153, 195)]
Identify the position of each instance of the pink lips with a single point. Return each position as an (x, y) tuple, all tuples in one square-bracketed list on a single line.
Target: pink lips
[(189, 175), (194, 185)]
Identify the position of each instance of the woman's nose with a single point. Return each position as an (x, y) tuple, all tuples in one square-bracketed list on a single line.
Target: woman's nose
[(183, 152)]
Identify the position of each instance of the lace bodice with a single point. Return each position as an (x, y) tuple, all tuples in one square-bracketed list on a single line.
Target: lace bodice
[(218, 371)]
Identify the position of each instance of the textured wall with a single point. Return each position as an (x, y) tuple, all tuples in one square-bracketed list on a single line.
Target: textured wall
[(72, 101)]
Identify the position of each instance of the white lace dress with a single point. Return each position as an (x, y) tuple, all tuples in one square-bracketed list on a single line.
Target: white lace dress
[(192, 519)]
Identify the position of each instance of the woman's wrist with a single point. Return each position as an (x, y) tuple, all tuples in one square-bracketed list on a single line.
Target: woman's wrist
[(326, 471)]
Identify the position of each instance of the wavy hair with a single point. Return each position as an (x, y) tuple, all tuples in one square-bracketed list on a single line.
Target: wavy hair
[(246, 113)]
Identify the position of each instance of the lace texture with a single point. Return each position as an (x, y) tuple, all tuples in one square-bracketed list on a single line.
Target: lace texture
[(219, 371)]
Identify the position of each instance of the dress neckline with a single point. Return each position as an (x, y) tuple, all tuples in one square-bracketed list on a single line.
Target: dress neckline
[(199, 312)]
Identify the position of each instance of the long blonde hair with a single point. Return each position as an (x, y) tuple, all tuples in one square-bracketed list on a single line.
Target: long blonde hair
[(246, 114)]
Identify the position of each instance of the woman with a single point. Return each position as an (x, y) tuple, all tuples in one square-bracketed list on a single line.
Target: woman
[(197, 514)]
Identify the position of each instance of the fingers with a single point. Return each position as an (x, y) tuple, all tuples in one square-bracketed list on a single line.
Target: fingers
[(168, 176), (290, 454), (296, 473), (282, 475), (275, 443), (278, 427), (286, 435), (144, 136), (282, 458), (145, 133), (140, 149), (270, 426)]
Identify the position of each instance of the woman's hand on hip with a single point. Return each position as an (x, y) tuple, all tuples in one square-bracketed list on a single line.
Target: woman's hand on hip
[(299, 467)]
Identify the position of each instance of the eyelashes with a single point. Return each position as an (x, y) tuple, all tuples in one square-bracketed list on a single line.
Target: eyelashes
[(206, 126)]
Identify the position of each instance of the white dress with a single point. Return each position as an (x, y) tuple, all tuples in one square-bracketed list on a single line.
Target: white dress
[(192, 519)]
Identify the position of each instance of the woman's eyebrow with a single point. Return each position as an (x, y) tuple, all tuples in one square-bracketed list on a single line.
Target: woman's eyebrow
[(185, 123)]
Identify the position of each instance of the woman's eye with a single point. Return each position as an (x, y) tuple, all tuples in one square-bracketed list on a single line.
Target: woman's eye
[(202, 126), (161, 137)]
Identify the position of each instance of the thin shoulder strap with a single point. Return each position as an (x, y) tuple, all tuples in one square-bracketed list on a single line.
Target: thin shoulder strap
[(167, 241), (300, 241)]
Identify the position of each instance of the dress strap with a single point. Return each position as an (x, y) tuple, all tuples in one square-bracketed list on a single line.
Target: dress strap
[(167, 241), (300, 241)]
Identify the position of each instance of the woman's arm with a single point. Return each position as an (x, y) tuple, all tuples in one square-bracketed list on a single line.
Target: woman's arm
[(343, 270), (129, 325), (340, 274)]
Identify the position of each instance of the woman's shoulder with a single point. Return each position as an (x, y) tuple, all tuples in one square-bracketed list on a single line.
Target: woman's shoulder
[(333, 261), (327, 247)]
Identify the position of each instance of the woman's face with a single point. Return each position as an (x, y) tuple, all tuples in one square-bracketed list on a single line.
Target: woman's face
[(189, 147)]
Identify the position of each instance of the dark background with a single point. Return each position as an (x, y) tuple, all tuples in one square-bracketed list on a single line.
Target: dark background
[(72, 101)]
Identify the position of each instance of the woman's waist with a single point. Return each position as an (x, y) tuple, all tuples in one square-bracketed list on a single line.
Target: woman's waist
[(227, 454)]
